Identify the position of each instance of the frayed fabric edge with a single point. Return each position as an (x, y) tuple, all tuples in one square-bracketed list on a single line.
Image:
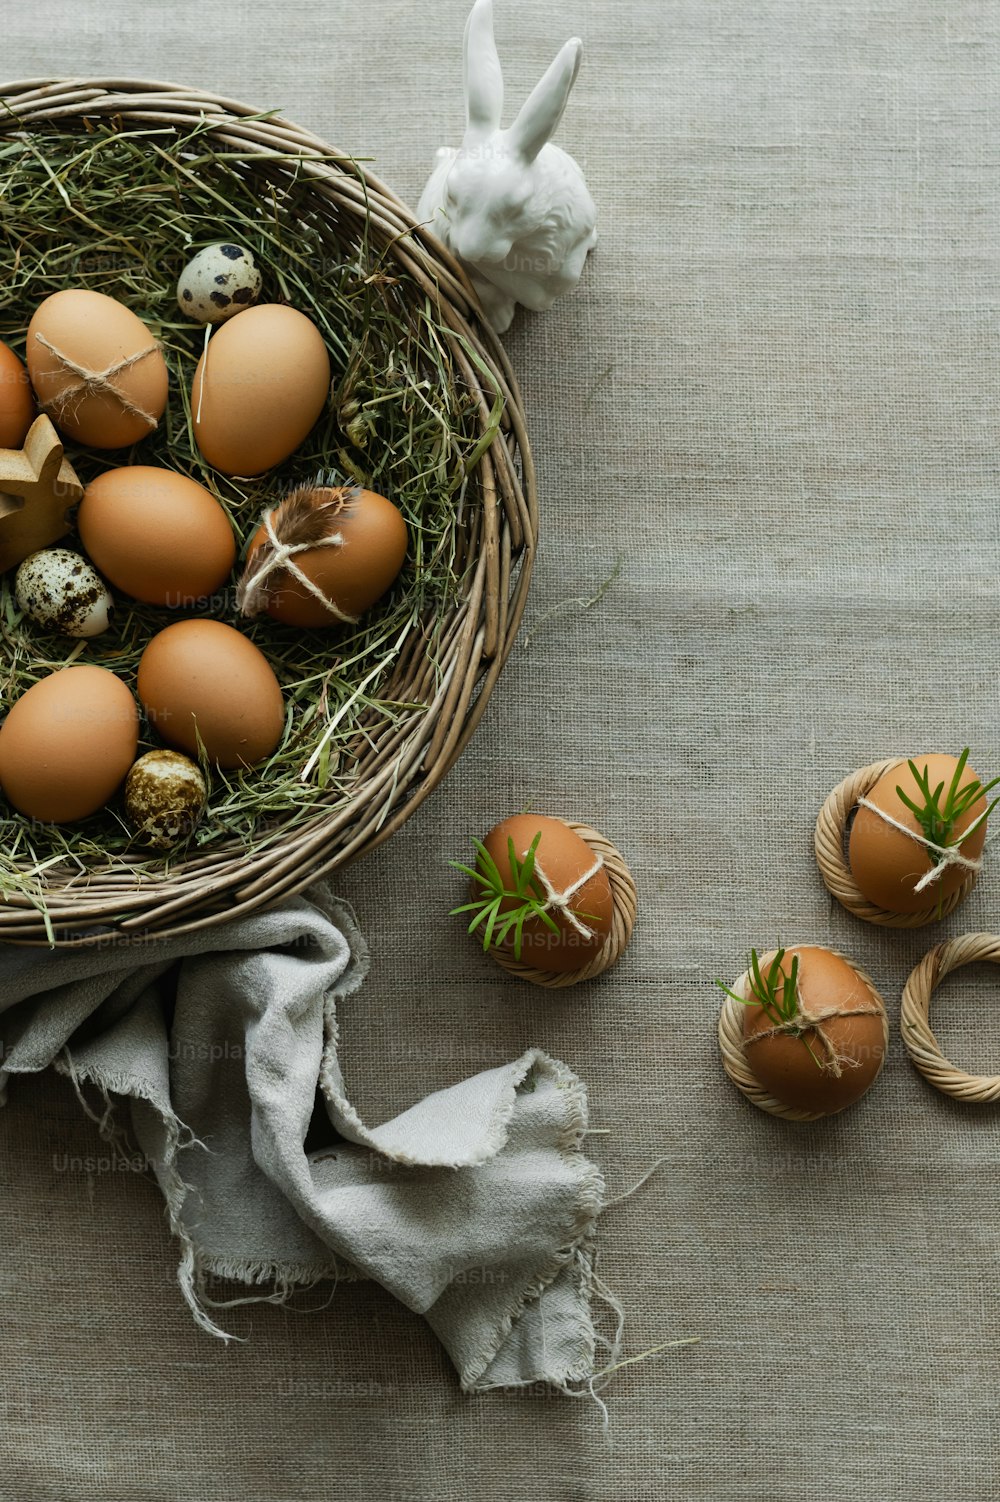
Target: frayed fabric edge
[(175, 1190), (577, 1248), (195, 1269)]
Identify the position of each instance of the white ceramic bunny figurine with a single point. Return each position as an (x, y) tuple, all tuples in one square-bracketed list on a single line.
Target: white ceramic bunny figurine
[(513, 207)]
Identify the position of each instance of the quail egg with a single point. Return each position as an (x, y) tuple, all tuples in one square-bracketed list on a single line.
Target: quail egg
[(218, 282), (59, 590), (165, 796)]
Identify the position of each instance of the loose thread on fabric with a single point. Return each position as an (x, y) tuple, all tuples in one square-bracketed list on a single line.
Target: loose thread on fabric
[(620, 1199), (69, 1069), (107, 1126), (600, 1290), (191, 1279), (190, 1275), (190, 1269), (592, 1386), (108, 1130), (94, 382), (666, 1345), (950, 855), (587, 1386), (282, 556), (804, 1022), (285, 1284)]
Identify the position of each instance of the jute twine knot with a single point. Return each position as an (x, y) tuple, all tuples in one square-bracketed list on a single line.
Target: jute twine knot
[(95, 382), (559, 902), (831, 855), (624, 907), (802, 1022), (914, 1018), (950, 855), (281, 555)]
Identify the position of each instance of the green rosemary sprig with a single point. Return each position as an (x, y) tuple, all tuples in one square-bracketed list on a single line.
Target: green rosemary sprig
[(526, 892), (776, 994), (937, 821)]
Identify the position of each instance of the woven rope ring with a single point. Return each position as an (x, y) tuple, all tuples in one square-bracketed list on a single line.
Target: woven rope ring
[(921, 1044), (624, 904), (737, 1066), (831, 834)]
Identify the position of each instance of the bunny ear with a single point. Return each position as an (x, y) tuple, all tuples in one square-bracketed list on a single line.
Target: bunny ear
[(481, 72), (543, 108)]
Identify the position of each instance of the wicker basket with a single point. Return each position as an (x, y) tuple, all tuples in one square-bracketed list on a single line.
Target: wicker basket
[(401, 768)]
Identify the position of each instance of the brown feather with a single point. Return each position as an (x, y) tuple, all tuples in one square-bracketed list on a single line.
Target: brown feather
[(307, 516)]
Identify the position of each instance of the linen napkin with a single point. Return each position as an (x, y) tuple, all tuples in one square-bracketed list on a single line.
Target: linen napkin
[(475, 1207)]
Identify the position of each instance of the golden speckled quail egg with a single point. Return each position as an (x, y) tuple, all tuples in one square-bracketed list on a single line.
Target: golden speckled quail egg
[(219, 281), (165, 796), (60, 591)]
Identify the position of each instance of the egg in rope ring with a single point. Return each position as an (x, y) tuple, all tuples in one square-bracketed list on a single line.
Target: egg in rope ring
[(570, 911), (919, 833)]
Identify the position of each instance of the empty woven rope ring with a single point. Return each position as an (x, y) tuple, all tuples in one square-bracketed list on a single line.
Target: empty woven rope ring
[(831, 856), (624, 903), (737, 1066), (921, 1044)]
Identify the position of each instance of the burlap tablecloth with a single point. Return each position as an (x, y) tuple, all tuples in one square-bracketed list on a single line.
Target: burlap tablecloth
[(775, 397)]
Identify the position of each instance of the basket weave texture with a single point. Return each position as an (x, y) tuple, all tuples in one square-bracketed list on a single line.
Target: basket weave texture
[(914, 1018), (736, 1064), (831, 830), (623, 896), (402, 766)]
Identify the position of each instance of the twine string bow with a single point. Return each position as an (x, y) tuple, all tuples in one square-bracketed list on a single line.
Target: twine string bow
[(948, 855), (282, 556), (96, 382), (802, 1022)]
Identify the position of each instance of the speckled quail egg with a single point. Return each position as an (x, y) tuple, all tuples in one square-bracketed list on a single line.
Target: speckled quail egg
[(165, 796), (219, 281), (59, 590)]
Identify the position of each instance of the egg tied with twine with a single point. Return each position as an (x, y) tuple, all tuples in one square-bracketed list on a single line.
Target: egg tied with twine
[(324, 556)]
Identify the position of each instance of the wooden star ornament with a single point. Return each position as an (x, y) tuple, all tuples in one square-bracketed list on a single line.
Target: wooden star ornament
[(37, 488)]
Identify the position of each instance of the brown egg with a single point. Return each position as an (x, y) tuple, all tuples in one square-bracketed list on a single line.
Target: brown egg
[(887, 864), (203, 678), (854, 1048), (563, 858), (266, 377), (352, 574), (67, 744), (157, 535), (17, 403), (123, 391)]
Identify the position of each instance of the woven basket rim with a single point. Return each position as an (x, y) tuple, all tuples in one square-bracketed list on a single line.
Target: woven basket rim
[(216, 886), (925, 1051), (831, 829), (737, 1066), (625, 906)]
